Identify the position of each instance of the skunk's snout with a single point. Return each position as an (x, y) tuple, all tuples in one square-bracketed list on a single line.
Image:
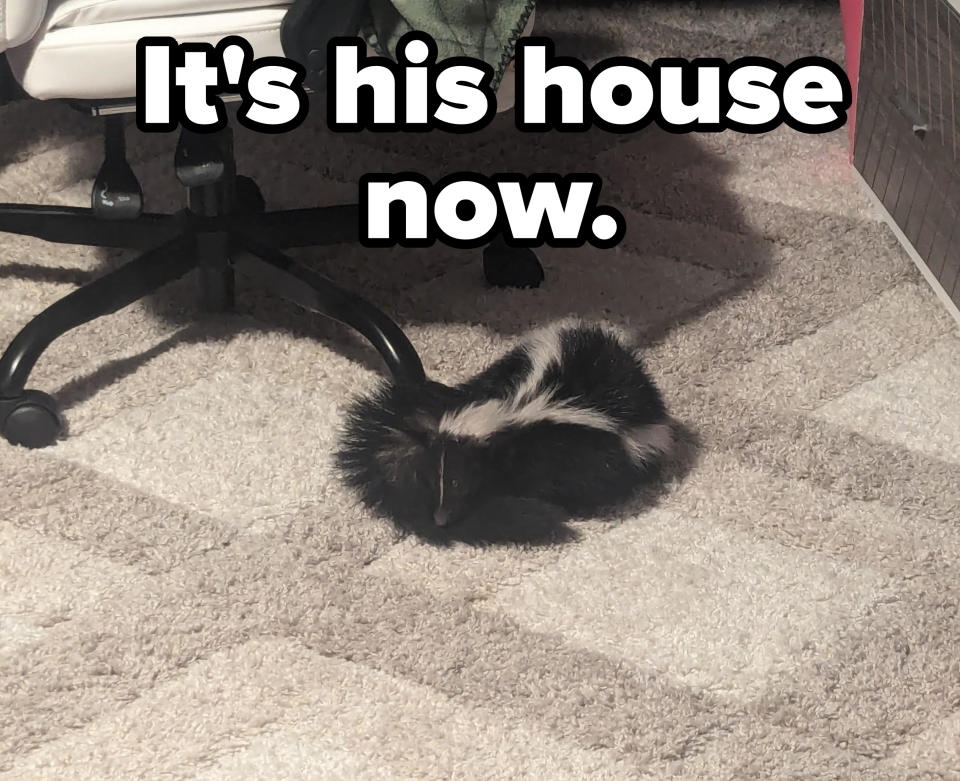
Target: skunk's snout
[(440, 517)]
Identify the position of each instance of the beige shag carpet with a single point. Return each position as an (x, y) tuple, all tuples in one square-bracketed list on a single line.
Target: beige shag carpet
[(187, 592)]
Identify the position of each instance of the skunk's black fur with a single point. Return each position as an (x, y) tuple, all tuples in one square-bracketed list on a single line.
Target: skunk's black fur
[(566, 424)]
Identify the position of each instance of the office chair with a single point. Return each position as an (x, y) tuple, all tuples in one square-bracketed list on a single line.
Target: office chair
[(84, 51)]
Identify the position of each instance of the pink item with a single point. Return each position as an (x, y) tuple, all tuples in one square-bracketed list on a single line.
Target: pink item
[(852, 12)]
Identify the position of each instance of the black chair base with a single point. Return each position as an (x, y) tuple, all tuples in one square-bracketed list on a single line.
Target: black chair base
[(223, 229)]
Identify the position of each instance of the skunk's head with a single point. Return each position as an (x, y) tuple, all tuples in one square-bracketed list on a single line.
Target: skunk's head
[(394, 454), (462, 482), (443, 487)]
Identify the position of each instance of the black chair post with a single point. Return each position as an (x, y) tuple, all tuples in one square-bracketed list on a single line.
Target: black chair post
[(205, 165)]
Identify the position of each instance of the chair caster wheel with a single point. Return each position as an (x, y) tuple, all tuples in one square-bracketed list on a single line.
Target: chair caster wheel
[(249, 197), (32, 419), (505, 266)]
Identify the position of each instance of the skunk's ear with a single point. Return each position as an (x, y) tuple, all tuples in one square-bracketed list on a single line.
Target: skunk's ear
[(424, 428), (398, 445), (425, 422)]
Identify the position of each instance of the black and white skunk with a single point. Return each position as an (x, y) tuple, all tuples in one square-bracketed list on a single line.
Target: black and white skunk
[(564, 425)]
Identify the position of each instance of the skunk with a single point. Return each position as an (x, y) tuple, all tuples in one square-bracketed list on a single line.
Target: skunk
[(566, 424)]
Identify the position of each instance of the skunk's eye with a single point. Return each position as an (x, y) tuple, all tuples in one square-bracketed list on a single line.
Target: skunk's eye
[(454, 483)]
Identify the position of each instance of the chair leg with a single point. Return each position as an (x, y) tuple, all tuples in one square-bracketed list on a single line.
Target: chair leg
[(216, 278), (506, 266), (30, 417), (72, 225), (288, 279), (317, 227), (503, 266)]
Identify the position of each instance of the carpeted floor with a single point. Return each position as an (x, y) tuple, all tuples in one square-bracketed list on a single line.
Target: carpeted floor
[(186, 591)]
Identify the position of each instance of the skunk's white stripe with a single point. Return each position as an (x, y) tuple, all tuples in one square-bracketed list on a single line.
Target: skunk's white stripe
[(543, 350), (544, 346), (529, 403), (443, 455), (480, 421), (645, 443)]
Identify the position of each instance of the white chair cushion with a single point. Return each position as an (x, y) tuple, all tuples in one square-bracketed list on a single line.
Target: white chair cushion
[(19, 21), (73, 13), (86, 49), (98, 61)]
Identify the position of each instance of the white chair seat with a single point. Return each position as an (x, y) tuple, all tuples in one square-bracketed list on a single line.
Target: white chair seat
[(86, 49), (74, 13), (19, 21)]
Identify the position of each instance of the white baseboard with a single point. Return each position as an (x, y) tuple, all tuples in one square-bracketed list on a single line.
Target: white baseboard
[(911, 251)]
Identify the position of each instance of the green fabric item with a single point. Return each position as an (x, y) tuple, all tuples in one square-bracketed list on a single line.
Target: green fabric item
[(482, 29)]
